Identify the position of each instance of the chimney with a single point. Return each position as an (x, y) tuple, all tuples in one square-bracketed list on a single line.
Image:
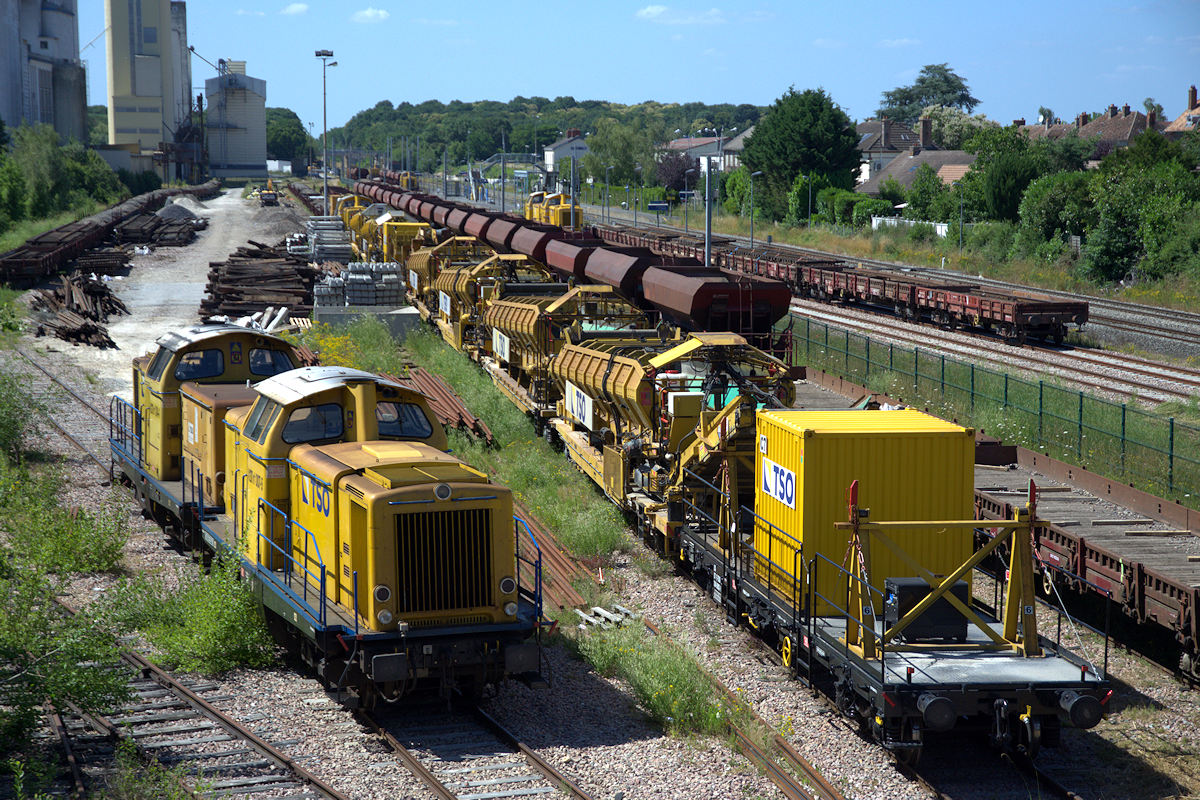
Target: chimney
[(886, 132), (926, 132), (1191, 97), (1125, 110), (1020, 123), (1082, 119), (1112, 111)]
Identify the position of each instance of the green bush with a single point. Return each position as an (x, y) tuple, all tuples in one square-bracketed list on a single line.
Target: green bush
[(922, 232), (868, 207), (18, 416), (58, 539), (211, 623), (666, 679), (824, 209), (843, 206), (992, 240)]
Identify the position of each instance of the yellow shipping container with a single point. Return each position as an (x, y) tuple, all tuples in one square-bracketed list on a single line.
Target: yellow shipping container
[(909, 466)]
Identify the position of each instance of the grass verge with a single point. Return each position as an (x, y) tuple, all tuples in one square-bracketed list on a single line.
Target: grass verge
[(16, 236), (208, 623)]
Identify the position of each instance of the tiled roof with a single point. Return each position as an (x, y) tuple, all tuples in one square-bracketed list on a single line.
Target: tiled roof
[(688, 142), (1187, 121), (1120, 128), (563, 141), (904, 167), (949, 173), (1041, 131), (870, 136), (738, 143)]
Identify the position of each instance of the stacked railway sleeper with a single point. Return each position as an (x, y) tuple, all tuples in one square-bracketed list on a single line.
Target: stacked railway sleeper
[(47, 253), (687, 431)]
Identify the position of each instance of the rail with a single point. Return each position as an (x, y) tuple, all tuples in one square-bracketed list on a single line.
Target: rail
[(1116, 439)]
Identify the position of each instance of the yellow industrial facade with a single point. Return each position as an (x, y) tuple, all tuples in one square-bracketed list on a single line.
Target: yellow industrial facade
[(146, 101)]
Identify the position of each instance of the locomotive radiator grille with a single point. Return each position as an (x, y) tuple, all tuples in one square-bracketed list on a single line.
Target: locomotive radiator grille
[(444, 560)]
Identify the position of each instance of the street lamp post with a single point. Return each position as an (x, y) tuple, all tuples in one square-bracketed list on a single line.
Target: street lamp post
[(685, 198), (607, 209), (325, 55), (753, 175), (637, 197), (958, 189), (810, 182)]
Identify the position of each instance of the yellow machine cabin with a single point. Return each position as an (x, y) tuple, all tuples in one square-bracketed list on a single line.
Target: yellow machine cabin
[(426, 263), (314, 405), (528, 331), (463, 293), (534, 205), (401, 532), (645, 416), (203, 354), (557, 211)]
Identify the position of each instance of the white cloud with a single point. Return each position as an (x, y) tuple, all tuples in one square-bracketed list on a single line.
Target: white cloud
[(294, 9), (828, 44), (899, 42), (241, 12), (370, 15), (663, 15)]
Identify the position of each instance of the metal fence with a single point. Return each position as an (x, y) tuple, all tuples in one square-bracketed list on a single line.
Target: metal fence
[(1157, 454)]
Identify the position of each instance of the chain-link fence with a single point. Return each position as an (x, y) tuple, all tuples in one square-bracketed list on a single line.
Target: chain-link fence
[(1156, 453)]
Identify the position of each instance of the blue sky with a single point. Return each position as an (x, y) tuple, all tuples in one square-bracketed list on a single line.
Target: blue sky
[(1016, 56)]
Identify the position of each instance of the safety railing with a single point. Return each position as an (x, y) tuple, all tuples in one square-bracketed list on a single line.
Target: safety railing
[(125, 427), (534, 595), (282, 553), (1158, 453), (868, 591), (999, 587)]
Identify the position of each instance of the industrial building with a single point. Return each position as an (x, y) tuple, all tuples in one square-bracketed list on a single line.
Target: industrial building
[(41, 77), (149, 77), (236, 122)]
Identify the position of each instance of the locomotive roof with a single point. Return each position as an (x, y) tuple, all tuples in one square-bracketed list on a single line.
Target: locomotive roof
[(176, 339), (296, 384)]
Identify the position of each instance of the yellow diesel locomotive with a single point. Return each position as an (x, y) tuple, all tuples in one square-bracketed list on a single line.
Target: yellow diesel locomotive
[(386, 563)]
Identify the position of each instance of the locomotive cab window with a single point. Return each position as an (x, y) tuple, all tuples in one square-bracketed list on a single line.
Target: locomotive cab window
[(261, 417), (200, 364), (268, 362), (158, 363), (402, 420), (313, 423)]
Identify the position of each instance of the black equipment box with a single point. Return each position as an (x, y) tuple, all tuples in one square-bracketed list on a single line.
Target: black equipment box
[(940, 621)]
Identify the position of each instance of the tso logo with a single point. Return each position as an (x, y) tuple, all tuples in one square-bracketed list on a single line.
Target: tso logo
[(315, 494), (779, 482)]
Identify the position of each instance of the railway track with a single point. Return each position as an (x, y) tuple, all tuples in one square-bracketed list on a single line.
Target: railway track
[(1179, 327), (468, 755), (1106, 373), (177, 724)]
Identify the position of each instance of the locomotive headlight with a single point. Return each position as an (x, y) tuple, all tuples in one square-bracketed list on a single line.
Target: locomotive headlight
[(510, 609), (384, 616), (507, 586), (382, 594), (442, 491)]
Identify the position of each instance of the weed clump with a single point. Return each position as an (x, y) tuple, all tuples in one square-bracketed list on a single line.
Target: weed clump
[(212, 623)]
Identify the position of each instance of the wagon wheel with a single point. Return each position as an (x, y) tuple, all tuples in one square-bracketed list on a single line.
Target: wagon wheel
[(786, 651), (1048, 581)]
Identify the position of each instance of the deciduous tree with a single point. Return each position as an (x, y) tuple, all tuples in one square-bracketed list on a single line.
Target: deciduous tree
[(936, 85), (801, 133)]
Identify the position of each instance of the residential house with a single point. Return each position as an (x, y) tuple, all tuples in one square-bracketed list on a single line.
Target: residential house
[(1189, 120), (881, 140), (950, 165), (731, 154), (559, 153)]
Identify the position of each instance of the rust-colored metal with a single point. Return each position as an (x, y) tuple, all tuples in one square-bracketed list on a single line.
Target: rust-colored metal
[(78, 789), (447, 405), (563, 569)]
